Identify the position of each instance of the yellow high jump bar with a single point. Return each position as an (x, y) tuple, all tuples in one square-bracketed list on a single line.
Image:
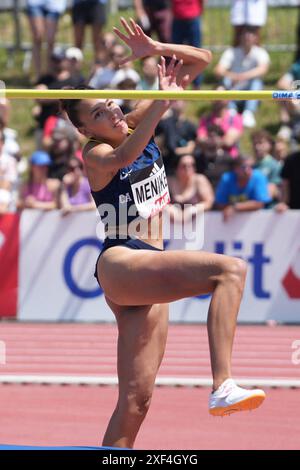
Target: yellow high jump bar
[(207, 95)]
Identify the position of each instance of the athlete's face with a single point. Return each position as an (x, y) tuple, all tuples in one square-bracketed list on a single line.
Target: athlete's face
[(103, 120)]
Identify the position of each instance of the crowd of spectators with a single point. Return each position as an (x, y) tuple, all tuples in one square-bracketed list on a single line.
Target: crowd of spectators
[(205, 165)]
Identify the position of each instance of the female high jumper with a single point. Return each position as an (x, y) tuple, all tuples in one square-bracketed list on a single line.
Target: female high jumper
[(139, 279)]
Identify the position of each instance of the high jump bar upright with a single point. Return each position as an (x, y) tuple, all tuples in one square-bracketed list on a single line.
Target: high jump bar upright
[(207, 95)]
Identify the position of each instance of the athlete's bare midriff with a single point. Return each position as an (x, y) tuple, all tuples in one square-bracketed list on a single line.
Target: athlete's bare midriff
[(153, 234)]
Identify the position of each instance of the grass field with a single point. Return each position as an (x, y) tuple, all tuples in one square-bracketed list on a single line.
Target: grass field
[(280, 29)]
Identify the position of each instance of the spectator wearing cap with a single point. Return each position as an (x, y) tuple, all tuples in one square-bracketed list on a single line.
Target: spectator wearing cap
[(243, 68), (43, 18), (75, 191), (59, 77), (75, 56), (243, 189), (93, 13), (125, 79), (248, 12), (39, 192), (8, 178), (263, 145)]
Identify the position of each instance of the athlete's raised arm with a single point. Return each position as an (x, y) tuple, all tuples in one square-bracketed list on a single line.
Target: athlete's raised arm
[(195, 60), (107, 158)]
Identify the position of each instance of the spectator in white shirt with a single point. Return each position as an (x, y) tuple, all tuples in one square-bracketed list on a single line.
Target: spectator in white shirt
[(248, 12), (104, 74), (8, 177), (11, 145), (242, 68)]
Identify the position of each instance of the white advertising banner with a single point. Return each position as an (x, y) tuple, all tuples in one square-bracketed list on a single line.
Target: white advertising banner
[(58, 255)]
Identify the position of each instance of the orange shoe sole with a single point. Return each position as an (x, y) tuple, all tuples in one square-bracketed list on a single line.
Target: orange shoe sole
[(248, 404)]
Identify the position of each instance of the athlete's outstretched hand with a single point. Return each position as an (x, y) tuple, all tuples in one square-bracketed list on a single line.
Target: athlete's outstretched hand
[(140, 44), (168, 75)]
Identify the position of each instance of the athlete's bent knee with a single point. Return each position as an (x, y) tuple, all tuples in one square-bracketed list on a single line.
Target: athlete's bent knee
[(235, 269)]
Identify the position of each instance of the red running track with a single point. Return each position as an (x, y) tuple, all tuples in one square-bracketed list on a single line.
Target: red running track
[(178, 418), (76, 349)]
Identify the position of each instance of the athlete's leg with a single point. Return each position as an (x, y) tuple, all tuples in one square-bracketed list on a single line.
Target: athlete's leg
[(141, 345), (148, 277)]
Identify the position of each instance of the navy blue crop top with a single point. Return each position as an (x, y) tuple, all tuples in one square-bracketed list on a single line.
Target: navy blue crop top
[(138, 190)]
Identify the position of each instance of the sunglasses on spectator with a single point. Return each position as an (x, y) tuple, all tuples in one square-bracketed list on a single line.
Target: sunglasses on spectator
[(245, 166), (187, 165), (74, 167)]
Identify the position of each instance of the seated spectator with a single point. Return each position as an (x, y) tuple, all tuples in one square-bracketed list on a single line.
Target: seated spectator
[(94, 13), (262, 143), (57, 123), (189, 188), (75, 192), (60, 77), (149, 80), (103, 74), (43, 18), (177, 135), (11, 145), (155, 16), (75, 57), (281, 149), (248, 12), (40, 192), (242, 68), (8, 177), (125, 79), (211, 159), (231, 125), (125, 73), (290, 109), (63, 148), (290, 183), (243, 189)]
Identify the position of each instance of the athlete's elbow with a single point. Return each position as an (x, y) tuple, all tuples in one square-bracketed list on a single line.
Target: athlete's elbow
[(207, 56), (205, 60)]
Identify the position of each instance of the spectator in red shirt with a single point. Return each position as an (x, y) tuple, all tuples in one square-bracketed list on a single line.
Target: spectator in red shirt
[(186, 26)]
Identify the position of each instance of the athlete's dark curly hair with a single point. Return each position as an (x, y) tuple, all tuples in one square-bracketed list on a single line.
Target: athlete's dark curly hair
[(70, 107)]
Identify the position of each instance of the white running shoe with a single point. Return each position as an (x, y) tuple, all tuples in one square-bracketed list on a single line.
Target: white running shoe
[(248, 119), (229, 398)]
